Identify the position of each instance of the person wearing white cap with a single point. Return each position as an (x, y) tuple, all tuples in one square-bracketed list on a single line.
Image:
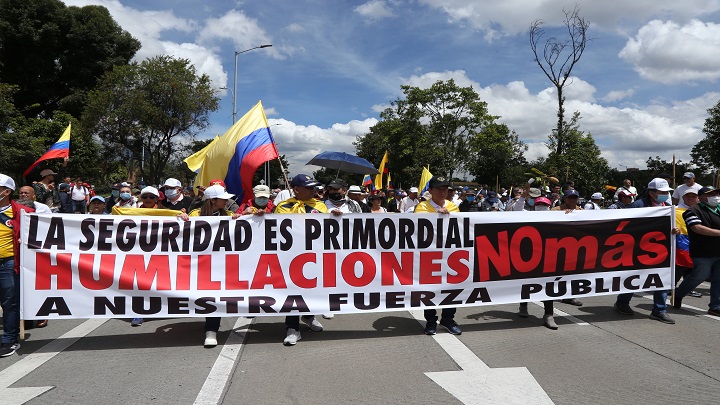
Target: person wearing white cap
[(595, 200), (408, 203), (355, 193), (174, 198), (10, 266), (658, 195), (688, 184), (149, 197), (259, 203), (215, 199)]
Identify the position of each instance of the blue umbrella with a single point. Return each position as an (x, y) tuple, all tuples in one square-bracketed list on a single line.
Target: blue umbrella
[(345, 162)]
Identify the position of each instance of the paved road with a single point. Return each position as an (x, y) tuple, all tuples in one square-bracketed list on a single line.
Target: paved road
[(596, 357)]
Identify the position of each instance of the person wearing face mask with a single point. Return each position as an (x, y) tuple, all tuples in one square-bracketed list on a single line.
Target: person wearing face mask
[(492, 202), (336, 200), (174, 198), (658, 195), (703, 226), (125, 198), (259, 204), (468, 202), (526, 202)]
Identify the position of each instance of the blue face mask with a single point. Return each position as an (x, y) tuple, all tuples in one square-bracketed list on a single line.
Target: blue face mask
[(531, 202), (471, 198), (115, 193), (171, 193), (125, 196), (661, 198), (261, 201)]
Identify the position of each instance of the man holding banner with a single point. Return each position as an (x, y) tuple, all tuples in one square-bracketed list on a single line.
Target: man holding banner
[(438, 188), (303, 203)]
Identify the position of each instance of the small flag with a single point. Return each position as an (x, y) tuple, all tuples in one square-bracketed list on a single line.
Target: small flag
[(367, 182), (389, 182), (60, 149), (381, 169), (424, 180)]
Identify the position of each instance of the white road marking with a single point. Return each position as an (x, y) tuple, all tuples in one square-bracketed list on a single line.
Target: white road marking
[(477, 383), (703, 312), (32, 361), (213, 389)]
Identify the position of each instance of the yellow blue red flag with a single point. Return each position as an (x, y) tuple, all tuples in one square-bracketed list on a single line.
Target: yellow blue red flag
[(424, 180), (59, 149)]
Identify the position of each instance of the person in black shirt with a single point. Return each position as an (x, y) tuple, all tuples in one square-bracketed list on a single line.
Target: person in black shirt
[(174, 196)]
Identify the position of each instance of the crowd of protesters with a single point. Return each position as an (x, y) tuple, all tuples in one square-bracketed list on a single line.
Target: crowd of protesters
[(698, 210)]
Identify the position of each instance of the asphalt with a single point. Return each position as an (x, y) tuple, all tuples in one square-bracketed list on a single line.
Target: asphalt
[(382, 358)]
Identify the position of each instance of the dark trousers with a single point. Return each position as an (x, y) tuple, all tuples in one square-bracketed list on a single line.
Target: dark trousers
[(10, 300), (447, 313), (293, 322), (212, 324)]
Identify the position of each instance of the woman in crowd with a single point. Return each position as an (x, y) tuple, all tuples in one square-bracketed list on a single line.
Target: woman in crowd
[(215, 200), (375, 202)]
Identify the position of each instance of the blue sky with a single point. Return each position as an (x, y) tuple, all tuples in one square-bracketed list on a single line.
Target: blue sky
[(642, 87)]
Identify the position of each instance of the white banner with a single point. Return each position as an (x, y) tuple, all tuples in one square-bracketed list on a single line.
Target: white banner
[(83, 266)]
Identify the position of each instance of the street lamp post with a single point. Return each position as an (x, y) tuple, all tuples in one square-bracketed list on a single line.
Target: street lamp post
[(234, 111)]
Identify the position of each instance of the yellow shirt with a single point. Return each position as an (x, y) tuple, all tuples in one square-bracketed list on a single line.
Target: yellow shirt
[(6, 238), (426, 206), (196, 213), (295, 206)]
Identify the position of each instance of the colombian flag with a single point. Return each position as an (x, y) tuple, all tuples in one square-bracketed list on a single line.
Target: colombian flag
[(196, 160), (383, 170), (682, 242), (367, 182), (424, 180), (239, 152), (60, 149)]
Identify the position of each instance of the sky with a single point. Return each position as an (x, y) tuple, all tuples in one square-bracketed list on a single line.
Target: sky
[(642, 87)]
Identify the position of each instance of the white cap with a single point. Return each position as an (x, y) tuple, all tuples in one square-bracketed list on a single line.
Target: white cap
[(659, 185), (690, 191), (413, 190), (354, 189), (261, 190), (217, 191), (6, 181), (596, 196), (150, 190), (171, 182)]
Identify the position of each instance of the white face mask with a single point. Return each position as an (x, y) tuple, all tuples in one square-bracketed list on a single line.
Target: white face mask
[(542, 208), (713, 201)]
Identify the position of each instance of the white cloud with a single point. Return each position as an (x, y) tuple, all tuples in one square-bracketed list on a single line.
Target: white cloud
[(374, 10), (511, 17), (617, 95), (667, 52), (295, 28), (300, 143), (205, 61), (245, 32)]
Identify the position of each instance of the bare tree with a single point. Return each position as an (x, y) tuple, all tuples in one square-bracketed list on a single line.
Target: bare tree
[(558, 58)]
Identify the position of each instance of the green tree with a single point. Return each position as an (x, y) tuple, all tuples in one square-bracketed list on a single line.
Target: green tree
[(55, 54), (434, 126), (275, 173), (581, 161), (496, 153), (706, 153), (146, 111)]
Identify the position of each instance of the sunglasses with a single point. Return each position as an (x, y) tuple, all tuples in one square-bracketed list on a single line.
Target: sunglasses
[(148, 197)]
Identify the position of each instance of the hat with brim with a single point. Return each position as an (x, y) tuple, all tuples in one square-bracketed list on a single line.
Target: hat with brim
[(659, 184), (534, 192), (97, 198), (217, 191), (47, 172), (706, 189), (437, 182), (303, 180), (261, 190), (150, 190), (354, 190), (690, 191), (7, 182)]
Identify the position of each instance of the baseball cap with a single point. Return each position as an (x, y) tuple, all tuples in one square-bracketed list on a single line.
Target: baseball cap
[(413, 190), (688, 175), (303, 180), (596, 196), (706, 189), (261, 190), (338, 183), (6, 181), (625, 193), (354, 189), (218, 181), (534, 192), (150, 190), (659, 184), (115, 186), (571, 192), (217, 191), (171, 182), (690, 191), (436, 182), (542, 200), (98, 198), (47, 172)]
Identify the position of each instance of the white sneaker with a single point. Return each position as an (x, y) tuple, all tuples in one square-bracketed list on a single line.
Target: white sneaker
[(292, 337), (328, 316), (210, 339), (313, 323)]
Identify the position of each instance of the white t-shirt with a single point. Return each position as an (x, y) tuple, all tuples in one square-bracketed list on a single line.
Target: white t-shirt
[(79, 193), (408, 205), (345, 208), (41, 208), (682, 188)]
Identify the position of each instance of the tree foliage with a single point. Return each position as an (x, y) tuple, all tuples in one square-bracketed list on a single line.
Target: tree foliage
[(557, 59), (54, 54), (445, 127), (706, 153), (144, 112), (581, 161)]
